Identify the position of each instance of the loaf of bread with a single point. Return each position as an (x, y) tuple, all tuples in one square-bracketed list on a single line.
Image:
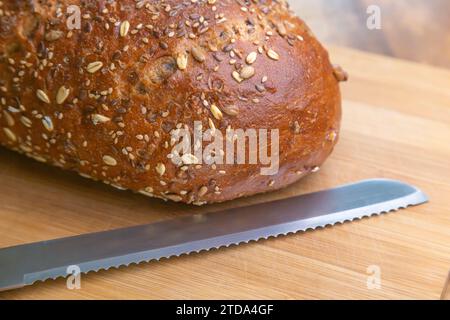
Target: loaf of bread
[(100, 86)]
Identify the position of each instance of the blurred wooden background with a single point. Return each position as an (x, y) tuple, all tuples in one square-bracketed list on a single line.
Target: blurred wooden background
[(417, 30)]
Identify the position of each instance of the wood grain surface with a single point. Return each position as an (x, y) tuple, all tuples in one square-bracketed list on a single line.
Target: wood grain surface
[(417, 30), (396, 125)]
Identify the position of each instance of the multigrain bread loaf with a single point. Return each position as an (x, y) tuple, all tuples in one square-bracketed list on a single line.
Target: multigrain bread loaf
[(104, 99)]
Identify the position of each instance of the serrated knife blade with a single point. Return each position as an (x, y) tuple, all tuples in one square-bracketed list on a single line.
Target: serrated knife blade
[(25, 264)]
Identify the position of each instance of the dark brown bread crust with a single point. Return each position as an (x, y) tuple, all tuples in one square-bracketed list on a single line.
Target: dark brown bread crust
[(114, 123)]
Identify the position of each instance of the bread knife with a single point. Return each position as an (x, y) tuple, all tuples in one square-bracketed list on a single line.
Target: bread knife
[(26, 264)]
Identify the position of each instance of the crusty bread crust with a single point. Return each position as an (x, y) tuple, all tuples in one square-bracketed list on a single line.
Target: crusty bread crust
[(103, 100)]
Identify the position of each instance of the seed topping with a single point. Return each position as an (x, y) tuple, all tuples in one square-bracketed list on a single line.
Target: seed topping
[(247, 72), (198, 54), (48, 123), (273, 55), (182, 61), (124, 28), (98, 118), (160, 169), (216, 112), (42, 96), (93, 67), (251, 58), (109, 161), (10, 134), (62, 95)]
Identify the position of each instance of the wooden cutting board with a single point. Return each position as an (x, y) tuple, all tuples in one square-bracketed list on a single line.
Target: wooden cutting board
[(396, 125)]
